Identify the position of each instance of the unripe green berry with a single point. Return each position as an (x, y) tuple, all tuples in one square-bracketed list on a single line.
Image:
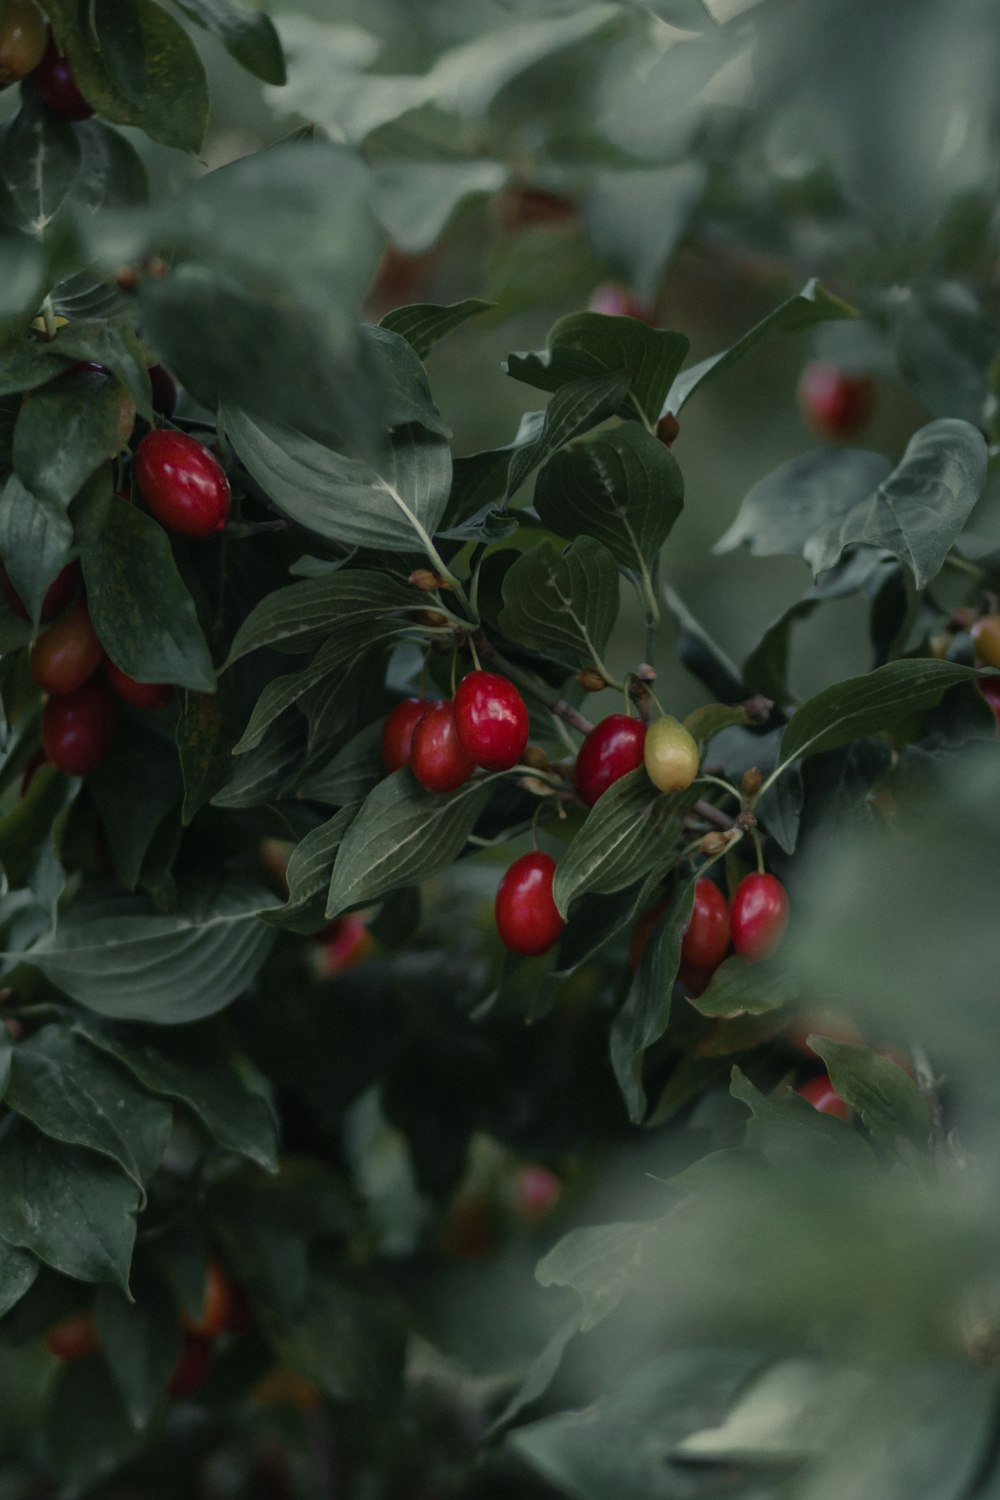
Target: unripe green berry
[(670, 755)]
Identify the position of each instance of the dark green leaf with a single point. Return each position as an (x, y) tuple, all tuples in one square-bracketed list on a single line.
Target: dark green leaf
[(140, 607), (887, 1099), (573, 409), (352, 773), (402, 834), (135, 787), (140, 1341), (247, 35), (814, 304), (192, 962), (69, 1207), (423, 325), (738, 988), (802, 500), (65, 431), (207, 730), (17, 1275), (785, 1126), (73, 1095), (198, 1069), (308, 874), (302, 616), (263, 774), (584, 345), (599, 1263), (562, 600), (88, 1434), (35, 541), (710, 720), (348, 1341), (111, 342)]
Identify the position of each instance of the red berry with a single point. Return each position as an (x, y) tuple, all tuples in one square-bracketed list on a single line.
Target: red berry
[(56, 86), (820, 1093), (183, 484), (695, 981), (527, 917), (164, 390), (59, 594), (437, 756), (139, 694), (78, 728), (74, 1338), (536, 1193), (758, 916), (398, 729), (192, 1368), (67, 654), (612, 748), (618, 302), (834, 402), (341, 944), (492, 720), (706, 937)]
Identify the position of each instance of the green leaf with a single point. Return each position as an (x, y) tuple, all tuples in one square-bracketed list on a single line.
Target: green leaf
[(134, 788), (88, 1434), (172, 107), (406, 391), (599, 1263), (573, 409), (785, 1126), (353, 772), (17, 1276), (622, 487), (192, 962), (562, 600), (625, 233), (804, 498), (35, 542), (198, 1068), (890, 1104), (140, 1341), (69, 1207), (207, 728), (309, 871), (424, 324), (64, 432), (584, 345), (632, 830), (347, 1340), (264, 773), (141, 609), (387, 507), (814, 304), (302, 616), (248, 36), (111, 342), (920, 509), (706, 722), (72, 1095), (738, 988), (877, 702), (416, 200), (402, 834), (645, 1015)]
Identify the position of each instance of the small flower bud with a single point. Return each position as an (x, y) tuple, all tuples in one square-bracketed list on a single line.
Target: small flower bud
[(590, 680), (433, 619), (127, 279), (751, 783), (426, 581), (535, 756), (713, 844), (667, 429)]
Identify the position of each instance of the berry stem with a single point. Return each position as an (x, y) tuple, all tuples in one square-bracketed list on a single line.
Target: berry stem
[(718, 781), (709, 813), (530, 683), (758, 848)]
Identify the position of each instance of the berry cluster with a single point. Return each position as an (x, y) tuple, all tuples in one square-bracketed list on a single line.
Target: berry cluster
[(28, 50)]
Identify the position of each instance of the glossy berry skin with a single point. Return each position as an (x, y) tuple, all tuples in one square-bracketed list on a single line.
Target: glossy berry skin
[(398, 731), (695, 981), (164, 388), (706, 938), (74, 1338), (820, 1093), (216, 1307), (56, 86), (78, 728), (670, 755), (140, 694), (986, 634), (758, 916), (536, 1193), (612, 749), (527, 918), (192, 1369), (183, 485), (618, 302), (437, 758), (60, 592), (67, 654), (834, 402), (24, 37), (492, 720)]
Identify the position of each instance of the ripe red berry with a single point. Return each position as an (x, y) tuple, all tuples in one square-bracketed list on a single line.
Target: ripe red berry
[(139, 694), (74, 1338), (56, 86), (164, 390), (536, 1193), (340, 945), (437, 756), (78, 728), (61, 592), (527, 917), (706, 938), (758, 916), (834, 402), (67, 654), (695, 981), (398, 729), (618, 302), (612, 749), (820, 1093), (192, 1368), (492, 720), (183, 484)]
